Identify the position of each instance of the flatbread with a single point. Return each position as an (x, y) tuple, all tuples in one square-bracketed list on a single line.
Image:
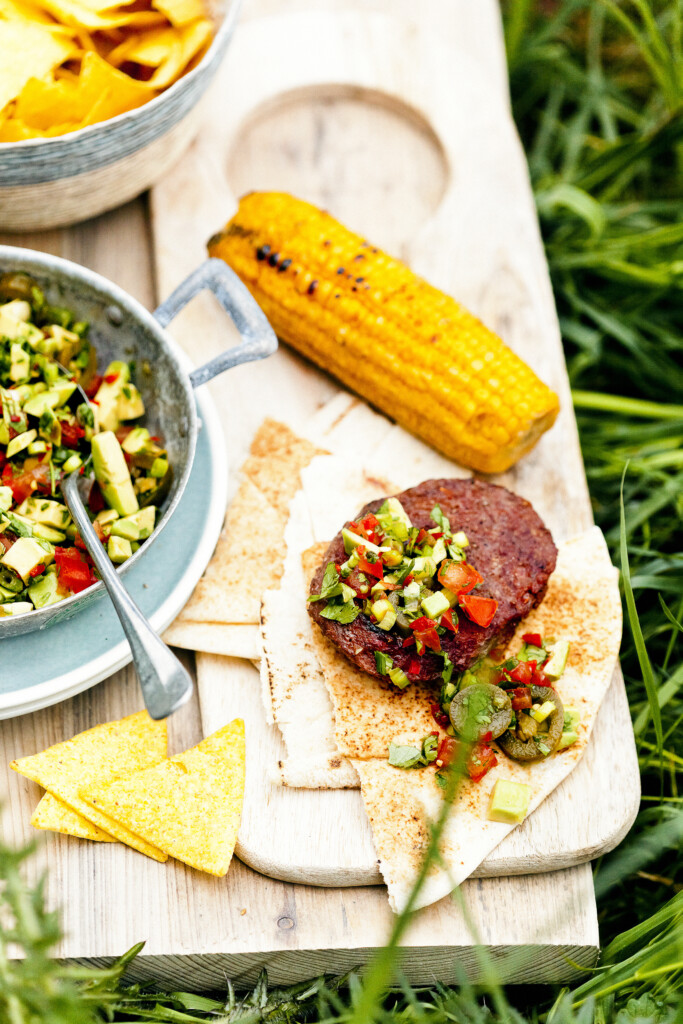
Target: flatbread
[(581, 605), (54, 816), (294, 692), (105, 753), (226, 602), (231, 640), (189, 806)]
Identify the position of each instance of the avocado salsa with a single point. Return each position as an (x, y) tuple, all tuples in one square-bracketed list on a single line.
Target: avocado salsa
[(59, 415)]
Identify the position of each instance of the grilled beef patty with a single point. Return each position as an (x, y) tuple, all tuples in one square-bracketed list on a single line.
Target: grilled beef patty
[(509, 546)]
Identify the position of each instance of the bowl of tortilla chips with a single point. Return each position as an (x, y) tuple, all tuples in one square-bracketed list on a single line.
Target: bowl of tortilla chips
[(98, 99)]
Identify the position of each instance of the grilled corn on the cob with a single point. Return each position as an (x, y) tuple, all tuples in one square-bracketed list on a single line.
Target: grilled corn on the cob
[(409, 349)]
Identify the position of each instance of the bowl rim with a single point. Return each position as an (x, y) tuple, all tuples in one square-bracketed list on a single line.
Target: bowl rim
[(221, 37), (68, 268)]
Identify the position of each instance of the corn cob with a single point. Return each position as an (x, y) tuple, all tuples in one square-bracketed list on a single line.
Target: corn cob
[(408, 348)]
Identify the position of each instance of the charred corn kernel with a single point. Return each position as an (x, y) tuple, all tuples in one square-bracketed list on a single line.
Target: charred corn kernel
[(405, 346)]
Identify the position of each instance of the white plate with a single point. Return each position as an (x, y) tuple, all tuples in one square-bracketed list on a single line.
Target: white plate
[(43, 668)]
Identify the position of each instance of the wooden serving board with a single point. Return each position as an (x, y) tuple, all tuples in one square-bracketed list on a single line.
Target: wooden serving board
[(359, 157), (444, 182)]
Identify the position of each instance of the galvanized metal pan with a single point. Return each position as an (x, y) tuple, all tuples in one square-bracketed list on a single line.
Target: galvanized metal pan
[(121, 328)]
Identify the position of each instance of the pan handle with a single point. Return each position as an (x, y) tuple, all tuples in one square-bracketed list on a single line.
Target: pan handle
[(258, 337)]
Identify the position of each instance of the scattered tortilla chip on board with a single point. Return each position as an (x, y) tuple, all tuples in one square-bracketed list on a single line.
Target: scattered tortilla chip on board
[(106, 752), (230, 640), (190, 805), (54, 816)]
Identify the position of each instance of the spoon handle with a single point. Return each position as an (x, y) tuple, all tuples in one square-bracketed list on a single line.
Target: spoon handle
[(165, 684)]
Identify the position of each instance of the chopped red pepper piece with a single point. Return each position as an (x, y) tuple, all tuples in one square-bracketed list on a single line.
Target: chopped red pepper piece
[(408, 642), (37, 570), (110, 378), (535, 639), (422, 536), (479, 609), (375, 569), (414, 667), (523, 672), (447, 621), (439, 715)]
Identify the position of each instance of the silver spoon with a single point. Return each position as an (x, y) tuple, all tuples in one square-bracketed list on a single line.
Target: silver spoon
[(165, 684)]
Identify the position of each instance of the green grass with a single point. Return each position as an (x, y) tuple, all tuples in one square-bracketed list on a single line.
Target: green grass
[(597, 90)]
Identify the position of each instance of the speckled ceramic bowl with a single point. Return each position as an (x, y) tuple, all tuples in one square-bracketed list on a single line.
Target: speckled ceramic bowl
[(48, 183)]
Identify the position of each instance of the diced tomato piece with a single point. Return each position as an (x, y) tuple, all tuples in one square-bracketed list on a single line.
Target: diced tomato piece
[(408, 580), (95, 499), (111, 378), (72, 434), (481, 760), (447, 621), (32, 481), (408, 642), (523, 672), (479, 609), (375, 569), (539, 678), (447, 751), (439, 715), (422, 536), (459, 576), (424, 631), (521, 698), (535, 639), (414, 667), (37, 570), (73, 570)]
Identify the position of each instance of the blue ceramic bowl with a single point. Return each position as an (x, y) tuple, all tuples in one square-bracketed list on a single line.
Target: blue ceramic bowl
[(47, 183)]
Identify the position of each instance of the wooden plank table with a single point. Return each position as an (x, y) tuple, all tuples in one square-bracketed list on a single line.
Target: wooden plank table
[(200, 929)]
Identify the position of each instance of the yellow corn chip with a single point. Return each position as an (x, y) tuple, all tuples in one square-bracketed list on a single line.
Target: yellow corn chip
[(107, 752), (54, 816), (191, 40), (112, 91), (181, 12), (188, 806), (27, 50), (149, 48)]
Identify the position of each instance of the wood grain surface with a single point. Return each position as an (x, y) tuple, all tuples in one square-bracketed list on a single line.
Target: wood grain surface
[(200, 929)]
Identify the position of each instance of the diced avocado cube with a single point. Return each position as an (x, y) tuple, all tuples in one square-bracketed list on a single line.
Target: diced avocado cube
[(460, 539), (384, 612), (572, 717), (117, 399), (18, 608), (424, 568), (119, 549), (509, 802), (49, 427), (348, 593), (450, 596), (136, 440), (43, 510), (159, 469), (6, 594), (37, 448), (37, 405), (19, 309), (439, 552), (25, 554), (20, 525), (45, 590), (397, 511), (567, 739), (48, 533), (393, 557), (394, 519), (106, 516), (6, 498), (112, 474), (21, 441), (64, 389), (435, 605), (352, 540), (20, 363), (73, 462), (130, 405), (398, 677), (14, 329), (541, 712), (558, 659), (135, 527)]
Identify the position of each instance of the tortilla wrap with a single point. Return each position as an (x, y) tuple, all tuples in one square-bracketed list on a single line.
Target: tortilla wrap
[(581, 605)]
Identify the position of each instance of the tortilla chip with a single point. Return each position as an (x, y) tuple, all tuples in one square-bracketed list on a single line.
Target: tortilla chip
[(54, 816), (180, 12), (104, 753), (190, 40), (190, 805), (400, 803), (232, 641), (28, 50), (293, 687)]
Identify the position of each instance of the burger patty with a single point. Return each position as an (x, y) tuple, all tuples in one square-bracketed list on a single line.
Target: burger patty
[(508, 545)]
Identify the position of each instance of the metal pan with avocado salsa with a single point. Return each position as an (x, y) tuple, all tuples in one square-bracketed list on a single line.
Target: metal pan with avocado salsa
[(60, 415)]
